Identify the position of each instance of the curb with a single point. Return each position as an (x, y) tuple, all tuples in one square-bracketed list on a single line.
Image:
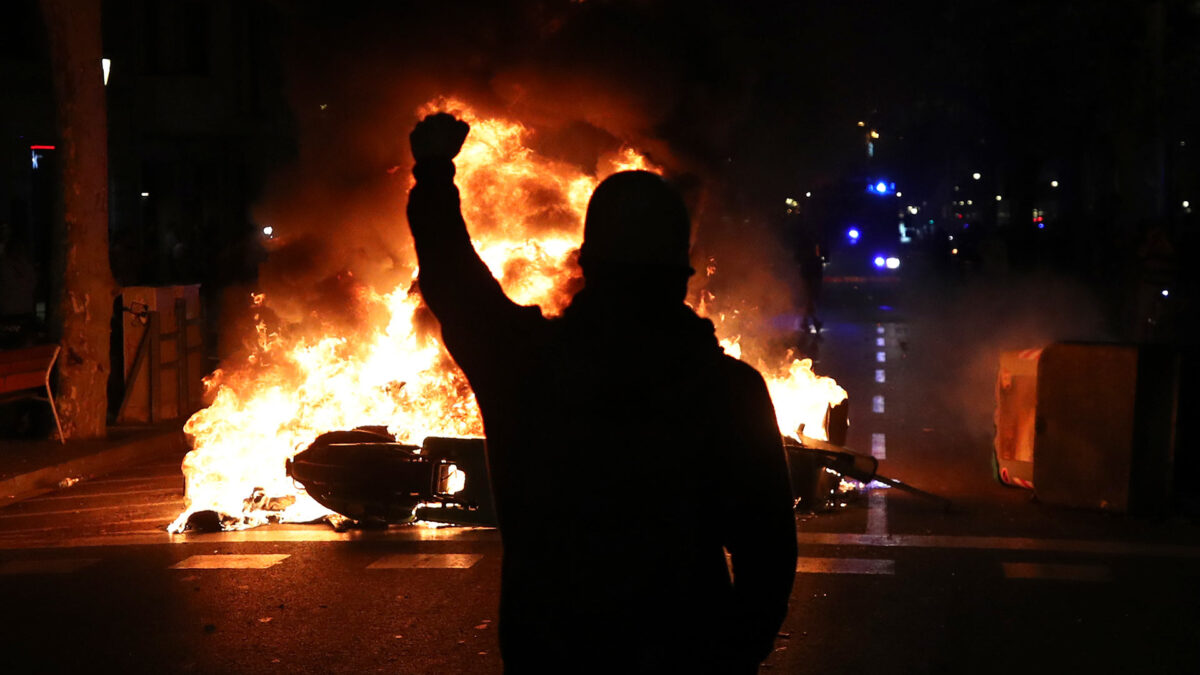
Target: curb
[(34, 483)]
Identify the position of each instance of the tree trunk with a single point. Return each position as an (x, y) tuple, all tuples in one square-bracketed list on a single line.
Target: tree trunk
[(85, 306)]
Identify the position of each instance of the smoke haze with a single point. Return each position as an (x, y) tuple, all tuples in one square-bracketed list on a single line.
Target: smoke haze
[(586, 78)]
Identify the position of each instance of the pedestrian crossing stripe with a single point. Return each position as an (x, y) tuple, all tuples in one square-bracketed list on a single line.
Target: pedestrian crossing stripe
[(227, 561), (426, 561), (50, 566), (845, 566)]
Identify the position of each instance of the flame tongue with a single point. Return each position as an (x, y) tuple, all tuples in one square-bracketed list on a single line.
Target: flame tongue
[(526, 217)]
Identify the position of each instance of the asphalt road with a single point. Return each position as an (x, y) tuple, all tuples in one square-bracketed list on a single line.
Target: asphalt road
[(889, 583)]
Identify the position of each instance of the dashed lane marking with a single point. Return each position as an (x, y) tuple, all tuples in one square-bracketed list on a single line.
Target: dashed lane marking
[(880, 357), (845, 566), (879, 329), (879, 342), (49, 566), (877, 512), (426, 561), (1056, 572), (879, 446), (880, 377), (877, 403), (229, 561)]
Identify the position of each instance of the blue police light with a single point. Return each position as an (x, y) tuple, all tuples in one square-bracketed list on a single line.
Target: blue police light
[(854, 234), (880, 261), (881, 187)]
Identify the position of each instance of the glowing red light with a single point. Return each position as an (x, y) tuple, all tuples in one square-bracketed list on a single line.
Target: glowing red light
[(41, 147)]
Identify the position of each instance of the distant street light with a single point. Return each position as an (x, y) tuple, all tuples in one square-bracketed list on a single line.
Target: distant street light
[(1053, 183), (874, 134), (976, 175), (997, 197)]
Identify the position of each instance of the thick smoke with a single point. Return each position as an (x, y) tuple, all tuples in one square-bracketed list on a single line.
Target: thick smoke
[(957, 333), (587, 78)]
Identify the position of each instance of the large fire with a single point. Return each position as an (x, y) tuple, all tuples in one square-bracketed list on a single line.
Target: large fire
[(525, 212)]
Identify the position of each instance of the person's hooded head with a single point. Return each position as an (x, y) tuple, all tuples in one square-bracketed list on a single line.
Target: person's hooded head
[(636, 239)]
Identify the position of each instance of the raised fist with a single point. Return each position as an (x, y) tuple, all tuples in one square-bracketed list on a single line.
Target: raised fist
[(438, 136)]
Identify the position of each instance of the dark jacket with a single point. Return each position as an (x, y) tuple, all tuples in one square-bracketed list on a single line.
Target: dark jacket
[(627, 454)]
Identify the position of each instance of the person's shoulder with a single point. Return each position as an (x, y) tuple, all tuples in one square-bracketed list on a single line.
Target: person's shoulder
[(738, 373)]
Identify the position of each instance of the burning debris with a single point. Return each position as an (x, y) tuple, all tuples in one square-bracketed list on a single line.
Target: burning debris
[(268, 425), (822, 473)]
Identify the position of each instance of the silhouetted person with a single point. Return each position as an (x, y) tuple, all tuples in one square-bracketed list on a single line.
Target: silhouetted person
[(810, 256), (627, 451)]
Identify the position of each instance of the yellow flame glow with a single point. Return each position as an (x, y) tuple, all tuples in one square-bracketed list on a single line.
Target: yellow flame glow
[(525, 213)]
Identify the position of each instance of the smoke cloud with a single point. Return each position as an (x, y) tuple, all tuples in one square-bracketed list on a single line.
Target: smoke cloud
[(586, 78), (957, 333)]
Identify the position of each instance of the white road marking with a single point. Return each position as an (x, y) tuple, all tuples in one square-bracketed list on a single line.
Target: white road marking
[(426, 561), (1056, 572), (163, 521), (34, 514), (51, 566), (880, 357), (880, 377), (879, 329), (91, 495), (999, 543), (879, 446), (877, 403), (176, 475), (877, 512), (845, 566), (228, 561), (478, 534), (879, 342)]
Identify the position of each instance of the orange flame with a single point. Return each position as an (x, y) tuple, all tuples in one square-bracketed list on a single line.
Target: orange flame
[(525, 213)]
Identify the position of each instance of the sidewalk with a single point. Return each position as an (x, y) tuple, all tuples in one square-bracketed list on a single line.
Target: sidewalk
[(31, 467)]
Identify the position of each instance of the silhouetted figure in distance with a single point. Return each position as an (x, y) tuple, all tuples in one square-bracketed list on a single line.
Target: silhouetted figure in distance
[(627, 451)]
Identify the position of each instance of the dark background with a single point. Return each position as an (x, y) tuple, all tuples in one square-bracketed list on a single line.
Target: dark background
[(226, 117)]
